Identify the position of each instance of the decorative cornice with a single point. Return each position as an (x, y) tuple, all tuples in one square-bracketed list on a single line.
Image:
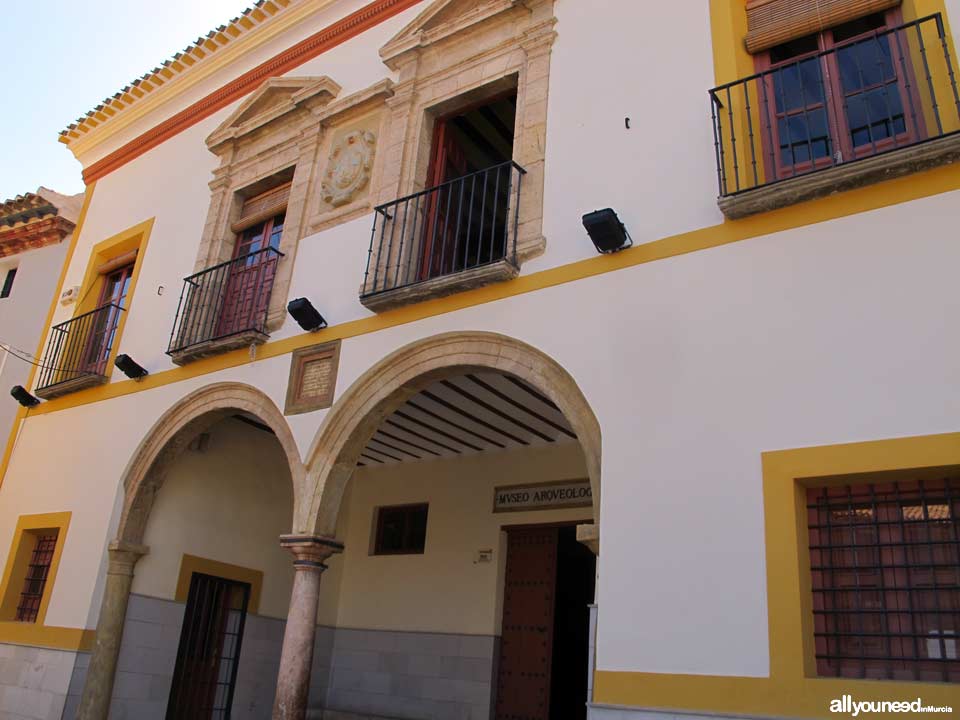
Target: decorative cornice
[(318, 43), (204, 52), (34, 235)]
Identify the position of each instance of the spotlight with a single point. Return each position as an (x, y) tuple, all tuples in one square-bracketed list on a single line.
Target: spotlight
[(130, 368), (23, 397), (609, 235), (306, 314)]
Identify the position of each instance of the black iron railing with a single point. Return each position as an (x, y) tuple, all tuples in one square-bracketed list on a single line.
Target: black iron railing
[(461, 225), (877, 93), (225, 300), (79, 347)]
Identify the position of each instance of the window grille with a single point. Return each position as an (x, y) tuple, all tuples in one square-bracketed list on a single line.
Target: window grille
[(885, 572)]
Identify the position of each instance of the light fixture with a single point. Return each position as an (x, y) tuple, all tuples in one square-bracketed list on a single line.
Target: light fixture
[(609, 235), (306, 315), (130, 368), (23, 397)]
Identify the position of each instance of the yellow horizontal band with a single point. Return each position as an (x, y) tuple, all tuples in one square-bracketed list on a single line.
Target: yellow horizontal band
[(57, 638)]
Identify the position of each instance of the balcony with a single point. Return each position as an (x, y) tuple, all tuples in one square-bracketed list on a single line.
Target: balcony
[(224, 307), (877, 106), (78, 351), (456, 236)]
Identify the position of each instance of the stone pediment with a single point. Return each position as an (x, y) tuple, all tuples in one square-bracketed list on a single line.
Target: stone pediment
[(440, 20), (275, 99)]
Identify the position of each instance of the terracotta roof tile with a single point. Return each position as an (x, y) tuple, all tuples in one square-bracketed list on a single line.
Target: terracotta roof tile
[(248, 20)]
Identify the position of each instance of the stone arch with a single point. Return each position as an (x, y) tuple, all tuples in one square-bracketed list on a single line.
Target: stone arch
[(173, 432), (383, 388)]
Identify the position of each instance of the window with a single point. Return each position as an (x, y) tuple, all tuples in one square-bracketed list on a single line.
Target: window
[(8, 283), (401, 530), (36, 577), (227, 305), (885, 570), (838, 95)]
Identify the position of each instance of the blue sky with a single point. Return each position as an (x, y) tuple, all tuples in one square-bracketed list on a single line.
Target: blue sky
[(62, 58)]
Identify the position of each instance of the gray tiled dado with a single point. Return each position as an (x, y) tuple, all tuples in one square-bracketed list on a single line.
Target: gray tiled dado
[(148, 654), (357, 674), (420, 676), (34, 682)]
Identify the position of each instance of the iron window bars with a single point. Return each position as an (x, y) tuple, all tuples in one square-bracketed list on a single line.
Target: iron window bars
[(208, 657), (459, 225), (79, 347), (225, 300), (36, 579), (890, 89), (885, 572)]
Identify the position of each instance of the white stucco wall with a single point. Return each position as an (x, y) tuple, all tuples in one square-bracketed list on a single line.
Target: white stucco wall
[(229, 503), (22, 315), (694, 365)]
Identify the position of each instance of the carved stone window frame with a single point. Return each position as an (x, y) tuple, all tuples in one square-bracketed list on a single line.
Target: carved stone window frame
[(454, 53), (273, 137)]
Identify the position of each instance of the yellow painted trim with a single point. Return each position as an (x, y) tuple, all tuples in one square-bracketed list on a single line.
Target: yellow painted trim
[(792, 690), (190, 564), (133, 238), (58, 638), (23, 412), (19, 555), (891, 192)]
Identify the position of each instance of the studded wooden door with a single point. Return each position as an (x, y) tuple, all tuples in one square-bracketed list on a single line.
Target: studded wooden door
[(526, 642)]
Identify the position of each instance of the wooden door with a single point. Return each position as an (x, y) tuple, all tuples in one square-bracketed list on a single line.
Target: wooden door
[(249, 279), (208, 657), (448, 162), (526, 642), (102, 329)]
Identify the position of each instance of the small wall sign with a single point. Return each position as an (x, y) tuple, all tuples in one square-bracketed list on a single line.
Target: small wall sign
[(544, 496)]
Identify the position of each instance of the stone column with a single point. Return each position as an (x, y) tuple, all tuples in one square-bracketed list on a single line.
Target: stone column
[(95, 701), (296, 658)]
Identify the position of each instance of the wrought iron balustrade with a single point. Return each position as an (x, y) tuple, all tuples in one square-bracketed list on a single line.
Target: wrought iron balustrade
[(876, 93), (231, 299), (461, 225), (77, 351)]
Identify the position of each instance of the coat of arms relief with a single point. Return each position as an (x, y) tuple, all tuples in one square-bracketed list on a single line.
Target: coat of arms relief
[(348, 168)]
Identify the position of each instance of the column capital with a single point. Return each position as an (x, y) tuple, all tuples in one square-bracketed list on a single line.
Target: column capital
[(123, 556), (589, 535), (310, 551)]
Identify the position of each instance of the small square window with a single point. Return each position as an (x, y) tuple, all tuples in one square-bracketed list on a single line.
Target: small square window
[(8, 283), (401, 530)]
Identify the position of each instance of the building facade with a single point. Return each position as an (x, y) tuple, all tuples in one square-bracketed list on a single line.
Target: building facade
[(35, 232), (348, 399)]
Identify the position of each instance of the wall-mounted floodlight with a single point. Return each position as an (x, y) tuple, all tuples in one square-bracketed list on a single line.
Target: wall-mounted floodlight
[(21, 395), (608, 234), (306, 314), (130, 368)]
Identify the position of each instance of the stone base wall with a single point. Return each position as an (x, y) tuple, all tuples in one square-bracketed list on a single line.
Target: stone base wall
[(357, 674), (148, 655), (615, 712), (383, 674), (34, 682)]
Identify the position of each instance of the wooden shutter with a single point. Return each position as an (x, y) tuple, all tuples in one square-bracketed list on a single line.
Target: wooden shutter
[(260, 207), (771, 22), (128, 258)]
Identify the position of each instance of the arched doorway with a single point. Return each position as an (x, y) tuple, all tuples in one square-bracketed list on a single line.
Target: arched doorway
[(456, 472), (206, 495)]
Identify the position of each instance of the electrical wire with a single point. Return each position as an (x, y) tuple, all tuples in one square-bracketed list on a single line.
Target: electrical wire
[(31, 360)]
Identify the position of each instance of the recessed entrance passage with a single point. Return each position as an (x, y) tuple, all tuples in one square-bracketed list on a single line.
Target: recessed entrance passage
[(548, 585)]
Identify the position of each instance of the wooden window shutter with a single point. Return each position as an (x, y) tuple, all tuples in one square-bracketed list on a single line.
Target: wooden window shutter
[(772, 22), (260, 207)]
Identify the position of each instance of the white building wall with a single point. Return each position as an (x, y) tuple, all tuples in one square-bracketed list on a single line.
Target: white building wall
[(22, 316), (694, 365)]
